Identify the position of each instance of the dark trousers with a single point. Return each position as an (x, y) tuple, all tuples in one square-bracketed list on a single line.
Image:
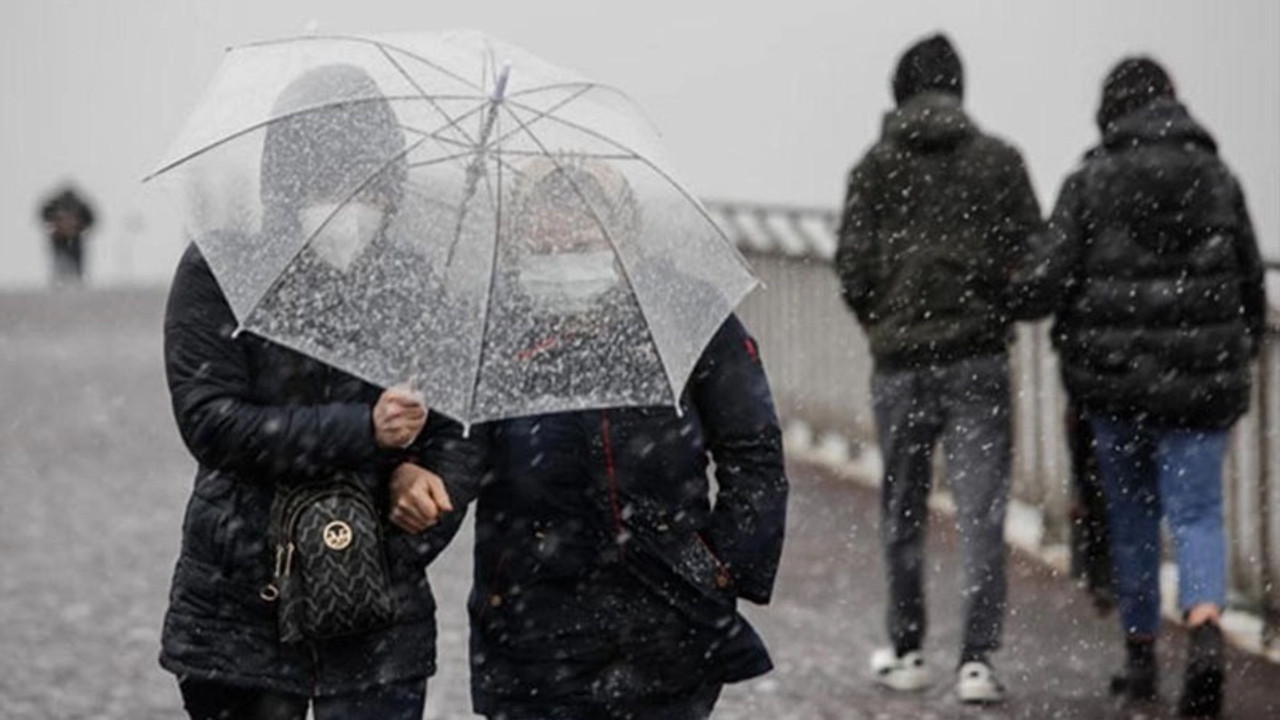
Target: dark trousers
[(696, 704), (68, 260), (207, 700), (1090, 539), (965, 404)]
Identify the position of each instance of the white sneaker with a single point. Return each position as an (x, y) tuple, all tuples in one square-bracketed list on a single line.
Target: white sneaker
[(906, 674), (977, 683)]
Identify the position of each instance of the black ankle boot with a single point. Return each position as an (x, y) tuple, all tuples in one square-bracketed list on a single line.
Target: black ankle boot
[(1138, 681), (1202, 686)]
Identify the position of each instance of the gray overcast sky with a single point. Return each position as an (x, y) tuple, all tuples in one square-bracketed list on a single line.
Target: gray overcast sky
[(763, 101)]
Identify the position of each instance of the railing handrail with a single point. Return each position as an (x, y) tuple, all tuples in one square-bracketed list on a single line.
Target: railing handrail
[(765, 236)]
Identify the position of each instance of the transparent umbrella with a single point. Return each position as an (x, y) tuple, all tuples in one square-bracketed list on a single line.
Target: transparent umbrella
[(451, 210)]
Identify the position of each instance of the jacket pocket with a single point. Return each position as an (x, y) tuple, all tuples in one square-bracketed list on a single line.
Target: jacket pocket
[(686, 574)]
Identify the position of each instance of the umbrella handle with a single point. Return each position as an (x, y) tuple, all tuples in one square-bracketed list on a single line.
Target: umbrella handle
[(500, 86)]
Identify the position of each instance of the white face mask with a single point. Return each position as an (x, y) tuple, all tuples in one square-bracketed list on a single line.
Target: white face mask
[(569, 282), (345, 235)]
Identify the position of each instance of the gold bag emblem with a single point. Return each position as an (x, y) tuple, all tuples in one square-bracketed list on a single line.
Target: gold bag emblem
[(337, 535)]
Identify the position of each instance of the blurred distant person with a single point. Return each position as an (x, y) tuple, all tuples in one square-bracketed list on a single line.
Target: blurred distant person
[(67, 218), (937, 216), (1162, 312)]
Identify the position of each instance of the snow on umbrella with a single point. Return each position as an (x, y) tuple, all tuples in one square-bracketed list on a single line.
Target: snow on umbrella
[(450, 209)]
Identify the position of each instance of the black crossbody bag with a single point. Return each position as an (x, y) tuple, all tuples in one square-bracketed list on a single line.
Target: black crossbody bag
[(331, 572)]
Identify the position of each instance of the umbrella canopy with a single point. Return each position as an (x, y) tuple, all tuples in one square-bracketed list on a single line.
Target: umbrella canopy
[(450, 209)]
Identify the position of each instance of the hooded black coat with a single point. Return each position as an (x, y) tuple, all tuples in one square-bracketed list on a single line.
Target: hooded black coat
[(604, 574), (256, 415), (937, 220), (1164, 300)]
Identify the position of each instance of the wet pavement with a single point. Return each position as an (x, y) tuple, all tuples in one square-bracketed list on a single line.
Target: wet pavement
[(93, 480)]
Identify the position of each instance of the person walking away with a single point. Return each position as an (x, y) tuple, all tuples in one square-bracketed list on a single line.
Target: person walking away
[(937, 218), (67, 218), (262, 419), (1163, 309)]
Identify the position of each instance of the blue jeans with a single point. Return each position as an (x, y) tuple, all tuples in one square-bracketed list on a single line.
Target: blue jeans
[(1149, 471)]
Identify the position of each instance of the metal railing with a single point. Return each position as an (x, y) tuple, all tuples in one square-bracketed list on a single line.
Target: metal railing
[(819, 367)]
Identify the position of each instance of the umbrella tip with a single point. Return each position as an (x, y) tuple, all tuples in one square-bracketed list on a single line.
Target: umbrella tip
[(500, 86)]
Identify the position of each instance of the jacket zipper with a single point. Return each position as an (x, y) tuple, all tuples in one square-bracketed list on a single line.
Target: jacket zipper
[(611, 475), (723, 577), (494, 598), (326, 392)]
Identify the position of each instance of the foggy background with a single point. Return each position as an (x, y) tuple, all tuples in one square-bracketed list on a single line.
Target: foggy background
[(766, 103)]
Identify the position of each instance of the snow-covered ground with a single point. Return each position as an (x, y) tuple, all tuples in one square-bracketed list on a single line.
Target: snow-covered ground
[(93, 479)]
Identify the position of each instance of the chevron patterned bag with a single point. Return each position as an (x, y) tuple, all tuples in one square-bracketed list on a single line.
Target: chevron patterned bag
[(331, 576)]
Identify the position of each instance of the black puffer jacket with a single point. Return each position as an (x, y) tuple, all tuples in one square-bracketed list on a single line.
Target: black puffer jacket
[(1164, 301), (603, 571), (256, 415), (936, 219)]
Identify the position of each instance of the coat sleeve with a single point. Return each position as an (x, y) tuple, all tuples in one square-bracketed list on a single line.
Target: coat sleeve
[(748, 522), (210, 385), (1031, 289), (460, 462), (1253, 291), (856, 252), (1057, 256)]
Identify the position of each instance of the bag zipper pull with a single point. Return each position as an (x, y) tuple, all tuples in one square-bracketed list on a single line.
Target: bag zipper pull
[(270, 592)]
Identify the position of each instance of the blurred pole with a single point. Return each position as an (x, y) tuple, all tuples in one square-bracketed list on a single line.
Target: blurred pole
[(1270, 609)]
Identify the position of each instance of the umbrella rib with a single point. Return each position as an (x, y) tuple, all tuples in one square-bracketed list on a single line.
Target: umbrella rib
[(438, 160), (457, 144), (661, 173), (254, 306), (367, 41), (541, 114), (597, 156), (590, 86), (471, 145), (278, 118), (557, 86), (497, 142), (475, 169), (452, 124), (604, 228), (423, 94), (488, 303)]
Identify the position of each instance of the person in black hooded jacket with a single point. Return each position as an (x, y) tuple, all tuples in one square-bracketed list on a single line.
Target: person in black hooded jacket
[(258, 417), (937, 226), (1163, 309), (606, 575)]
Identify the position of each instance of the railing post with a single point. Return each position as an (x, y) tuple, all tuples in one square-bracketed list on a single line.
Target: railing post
[(1268, 607)]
